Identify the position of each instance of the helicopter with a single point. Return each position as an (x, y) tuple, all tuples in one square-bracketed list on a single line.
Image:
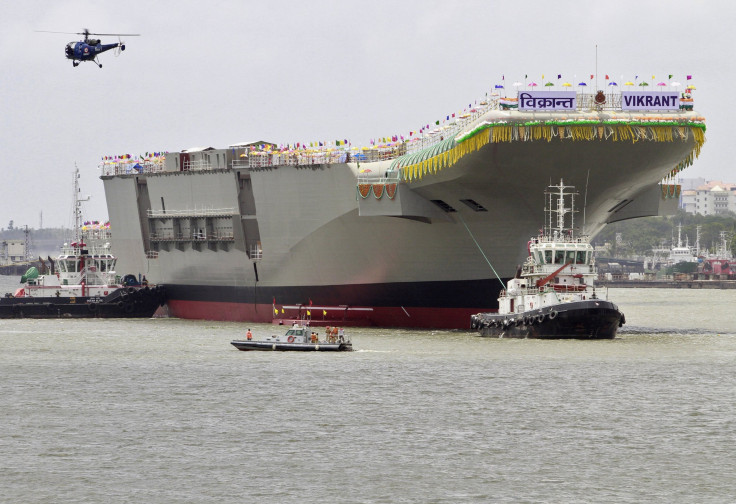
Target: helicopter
[(89, 48)]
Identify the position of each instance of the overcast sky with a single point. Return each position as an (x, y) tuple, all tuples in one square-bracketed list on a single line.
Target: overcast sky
[(220, 72)]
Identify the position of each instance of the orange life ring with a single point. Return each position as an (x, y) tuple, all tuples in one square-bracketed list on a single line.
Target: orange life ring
[(290, 339)]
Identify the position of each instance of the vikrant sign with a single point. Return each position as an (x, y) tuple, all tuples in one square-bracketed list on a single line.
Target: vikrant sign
[(650, 100)]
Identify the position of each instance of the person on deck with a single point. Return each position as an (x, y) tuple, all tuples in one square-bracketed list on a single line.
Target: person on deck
[(249, 335)]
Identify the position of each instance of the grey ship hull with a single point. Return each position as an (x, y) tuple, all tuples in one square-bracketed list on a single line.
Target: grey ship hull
[(423, 259)]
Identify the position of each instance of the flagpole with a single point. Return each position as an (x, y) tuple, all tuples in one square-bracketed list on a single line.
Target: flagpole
[(596, 67)]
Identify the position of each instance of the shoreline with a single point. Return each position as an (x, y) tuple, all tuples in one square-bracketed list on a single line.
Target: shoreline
[(668, 284)]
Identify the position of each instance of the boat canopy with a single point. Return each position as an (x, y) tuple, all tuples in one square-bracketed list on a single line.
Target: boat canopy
[(31, 274)]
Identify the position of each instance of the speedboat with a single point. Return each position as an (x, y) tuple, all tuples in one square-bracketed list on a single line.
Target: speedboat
[(297, 338)]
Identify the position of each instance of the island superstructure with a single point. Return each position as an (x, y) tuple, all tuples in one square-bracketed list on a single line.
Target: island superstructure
[(416, 231)]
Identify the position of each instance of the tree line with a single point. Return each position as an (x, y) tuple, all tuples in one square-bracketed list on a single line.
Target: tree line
[(640, 236)]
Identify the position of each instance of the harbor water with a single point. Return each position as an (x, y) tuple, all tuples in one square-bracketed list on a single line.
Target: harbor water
[(167, 411)]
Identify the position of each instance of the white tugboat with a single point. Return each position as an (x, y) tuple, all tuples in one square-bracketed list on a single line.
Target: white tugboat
[(553, 293), (82, 282)]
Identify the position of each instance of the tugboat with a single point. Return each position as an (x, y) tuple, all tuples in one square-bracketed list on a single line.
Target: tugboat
[(553, 294), (297, 338), (82, 282)]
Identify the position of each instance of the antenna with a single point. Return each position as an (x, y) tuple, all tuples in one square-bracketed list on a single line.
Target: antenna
[(585, 199), (596, 67)]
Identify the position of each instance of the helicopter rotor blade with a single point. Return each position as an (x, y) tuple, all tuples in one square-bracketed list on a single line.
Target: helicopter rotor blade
[(115, 34), (65, 33), (87, 32)]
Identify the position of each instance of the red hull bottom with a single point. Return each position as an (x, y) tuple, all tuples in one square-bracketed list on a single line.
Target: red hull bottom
[(384, 316)]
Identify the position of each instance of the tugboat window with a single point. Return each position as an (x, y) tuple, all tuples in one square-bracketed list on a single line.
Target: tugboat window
[(548, 256), (559, 256)]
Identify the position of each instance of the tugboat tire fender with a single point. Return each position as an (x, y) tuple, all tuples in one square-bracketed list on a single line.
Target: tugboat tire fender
[(540, 318), (128, 308), (552, 314), (92, 307)]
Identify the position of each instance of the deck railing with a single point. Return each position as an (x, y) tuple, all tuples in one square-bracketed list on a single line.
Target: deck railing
[(431, 134), (197, 212)]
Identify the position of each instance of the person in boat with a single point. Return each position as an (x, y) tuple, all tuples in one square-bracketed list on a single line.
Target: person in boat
[(249, 335), (341, 335), (314, 338), (333, 335)]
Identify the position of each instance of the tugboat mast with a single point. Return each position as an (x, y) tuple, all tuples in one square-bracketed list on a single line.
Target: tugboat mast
[(556, 212), (77, 206)]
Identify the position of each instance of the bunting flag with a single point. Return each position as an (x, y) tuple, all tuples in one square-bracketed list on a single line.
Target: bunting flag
[(309, 313), (607, 77), (591, 76), (324, 312), (275, 311), (670, 77), (559, 76), (689, 77)]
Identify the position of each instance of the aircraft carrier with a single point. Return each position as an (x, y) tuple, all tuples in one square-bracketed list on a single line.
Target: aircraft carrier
[(418, 231)]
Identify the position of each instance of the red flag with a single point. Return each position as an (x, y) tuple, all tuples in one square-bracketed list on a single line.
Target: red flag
[(591, 76), (310, 301), (606, 76)]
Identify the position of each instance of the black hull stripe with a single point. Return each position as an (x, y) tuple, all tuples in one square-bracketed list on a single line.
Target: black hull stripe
[(453, 294)]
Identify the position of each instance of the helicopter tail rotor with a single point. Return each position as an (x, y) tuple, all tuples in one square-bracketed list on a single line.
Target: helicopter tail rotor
[(120, 47)]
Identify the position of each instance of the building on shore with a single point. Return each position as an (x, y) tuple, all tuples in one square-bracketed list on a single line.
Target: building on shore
[(12, 251), (712, 197)]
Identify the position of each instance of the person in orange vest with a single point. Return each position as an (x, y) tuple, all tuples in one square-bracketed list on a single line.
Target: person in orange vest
[(249, 335)]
